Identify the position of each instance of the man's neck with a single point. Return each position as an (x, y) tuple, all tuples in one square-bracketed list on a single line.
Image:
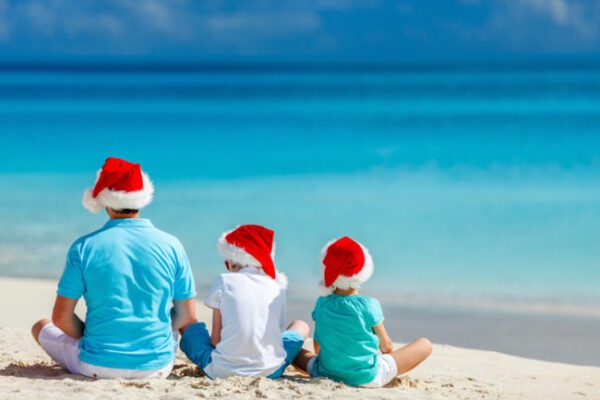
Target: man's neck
[(125, 216), (115, 215), (346, 292)]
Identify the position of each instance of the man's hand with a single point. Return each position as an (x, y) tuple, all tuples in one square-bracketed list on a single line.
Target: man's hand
[(65, 319)]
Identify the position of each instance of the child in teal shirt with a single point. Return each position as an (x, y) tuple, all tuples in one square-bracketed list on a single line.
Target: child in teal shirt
[(351, 343)]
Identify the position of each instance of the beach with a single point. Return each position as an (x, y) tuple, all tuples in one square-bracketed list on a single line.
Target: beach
[(26, 372), (435, 164), (473, 186)]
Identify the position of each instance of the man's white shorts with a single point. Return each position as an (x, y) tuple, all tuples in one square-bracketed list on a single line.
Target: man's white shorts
[(386, 370), (65, 351)]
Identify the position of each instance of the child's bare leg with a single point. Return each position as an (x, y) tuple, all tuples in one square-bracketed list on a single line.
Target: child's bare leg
[(301, 327), (412, 354), (302, 359)]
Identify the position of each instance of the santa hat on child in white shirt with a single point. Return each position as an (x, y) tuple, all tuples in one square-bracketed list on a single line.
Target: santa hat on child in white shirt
[(346, 265), (120, 185), (251, 246)]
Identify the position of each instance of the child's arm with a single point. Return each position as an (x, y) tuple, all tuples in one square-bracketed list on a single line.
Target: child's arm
[(385, 343), (183, 314), (316, 346), (217, 325)]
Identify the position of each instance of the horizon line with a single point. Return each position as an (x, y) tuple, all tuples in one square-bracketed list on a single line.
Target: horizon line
[(208, 66)]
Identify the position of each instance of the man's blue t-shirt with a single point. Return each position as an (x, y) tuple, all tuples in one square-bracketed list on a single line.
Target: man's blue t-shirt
[(129, 273), (344, 331)]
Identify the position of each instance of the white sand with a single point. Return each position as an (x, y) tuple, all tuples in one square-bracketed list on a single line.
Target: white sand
[(450, 373)]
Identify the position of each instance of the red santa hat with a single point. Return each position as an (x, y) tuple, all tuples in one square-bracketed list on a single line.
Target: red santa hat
[(346, 264), (119, 185), (251, 246)]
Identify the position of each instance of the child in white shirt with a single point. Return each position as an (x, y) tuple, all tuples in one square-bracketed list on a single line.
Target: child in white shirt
[(249, 312)]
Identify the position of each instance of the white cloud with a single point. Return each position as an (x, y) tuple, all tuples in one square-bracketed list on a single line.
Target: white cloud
[(105, 24), (4, 28), (266, 26), (135, 25), (282, 23), (564, 14), (57, 17), (41, 17), (557, 10), (171, 18), (122, 26), (343, 4)]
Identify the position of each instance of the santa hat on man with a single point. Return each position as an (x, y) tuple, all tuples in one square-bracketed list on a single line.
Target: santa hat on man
[(120, 185), (251, 246), (346, 264)]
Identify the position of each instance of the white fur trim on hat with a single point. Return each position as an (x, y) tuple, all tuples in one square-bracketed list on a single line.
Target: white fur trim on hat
[(348, 282), (281, 279), (119, 199), (237, 255)]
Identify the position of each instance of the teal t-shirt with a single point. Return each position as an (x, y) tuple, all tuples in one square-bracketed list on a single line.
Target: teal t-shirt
[(129, 273), (344, 331)]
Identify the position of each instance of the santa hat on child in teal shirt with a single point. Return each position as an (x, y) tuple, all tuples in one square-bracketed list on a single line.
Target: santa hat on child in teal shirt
[(346, 265)]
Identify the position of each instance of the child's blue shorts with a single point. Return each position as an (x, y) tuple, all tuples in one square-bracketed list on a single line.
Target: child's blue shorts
[(196, 345)]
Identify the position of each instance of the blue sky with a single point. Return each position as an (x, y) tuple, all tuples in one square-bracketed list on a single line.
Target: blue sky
[(321, 30)]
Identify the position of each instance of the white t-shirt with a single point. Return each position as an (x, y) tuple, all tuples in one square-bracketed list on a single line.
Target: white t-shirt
[(252, 307)]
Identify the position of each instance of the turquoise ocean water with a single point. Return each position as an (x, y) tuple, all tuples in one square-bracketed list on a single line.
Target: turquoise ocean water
[(473, 185)]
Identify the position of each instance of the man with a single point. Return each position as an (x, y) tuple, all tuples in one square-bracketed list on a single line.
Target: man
[(130, 275)]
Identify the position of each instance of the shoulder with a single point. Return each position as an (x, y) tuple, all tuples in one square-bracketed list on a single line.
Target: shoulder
[(218, 284), (370, 301), (86, 239), (322, 301), (166, 238), (367, 304), (372, 308), (220, 281), (232, 279), (225, 276), (168, 242)]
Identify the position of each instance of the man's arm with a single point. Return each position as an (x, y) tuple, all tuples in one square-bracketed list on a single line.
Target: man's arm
[(183, 313), (217, 326), (64, 317), (385, 343)]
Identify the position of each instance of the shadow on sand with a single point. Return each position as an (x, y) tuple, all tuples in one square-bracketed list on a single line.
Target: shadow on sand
[(38, 370), (50, 370)]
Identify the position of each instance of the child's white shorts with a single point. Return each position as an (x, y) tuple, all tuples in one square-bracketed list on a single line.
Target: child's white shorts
[(386, 370), (65, 351)]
